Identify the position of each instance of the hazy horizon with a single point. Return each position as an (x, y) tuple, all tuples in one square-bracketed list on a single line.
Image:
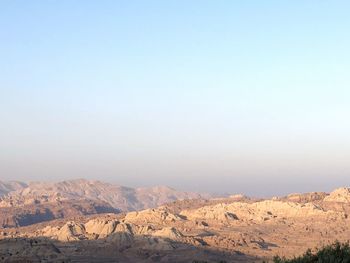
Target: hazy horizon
[(245, 190), (238, 97)]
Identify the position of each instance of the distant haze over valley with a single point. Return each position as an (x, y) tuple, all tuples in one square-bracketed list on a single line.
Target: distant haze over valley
[(257, 188)]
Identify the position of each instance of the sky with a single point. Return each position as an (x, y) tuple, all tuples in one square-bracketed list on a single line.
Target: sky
[(215, 96)]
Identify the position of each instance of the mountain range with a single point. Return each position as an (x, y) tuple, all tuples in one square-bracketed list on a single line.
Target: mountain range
[(22, 204)]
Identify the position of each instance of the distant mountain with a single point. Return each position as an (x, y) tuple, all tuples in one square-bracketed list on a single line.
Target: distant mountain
[(6, 187), (120, 197), (21, 204)]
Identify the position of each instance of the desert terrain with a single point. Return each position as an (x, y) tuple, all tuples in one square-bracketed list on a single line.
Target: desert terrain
[(163, 225)]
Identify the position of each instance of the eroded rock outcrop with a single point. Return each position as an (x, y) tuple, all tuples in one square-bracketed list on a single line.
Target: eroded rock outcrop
[(257, 211), (152, 215), (339, 195)]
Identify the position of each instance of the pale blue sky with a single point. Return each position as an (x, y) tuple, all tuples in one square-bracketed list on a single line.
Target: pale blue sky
[(219, 96)]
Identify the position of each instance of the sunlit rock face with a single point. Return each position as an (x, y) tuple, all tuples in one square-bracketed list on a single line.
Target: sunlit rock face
[(341, 195)]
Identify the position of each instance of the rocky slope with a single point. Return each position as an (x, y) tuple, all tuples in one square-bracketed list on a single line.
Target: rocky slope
[(231, 230), (35, 213)]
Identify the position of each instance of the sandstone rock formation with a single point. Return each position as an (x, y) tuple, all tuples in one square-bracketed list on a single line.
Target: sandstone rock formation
[(341, 195)]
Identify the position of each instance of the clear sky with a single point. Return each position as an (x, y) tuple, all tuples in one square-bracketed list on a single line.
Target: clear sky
[(218, 96)]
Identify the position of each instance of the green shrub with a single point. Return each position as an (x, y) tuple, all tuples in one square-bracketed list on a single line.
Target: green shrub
[(334, 253)]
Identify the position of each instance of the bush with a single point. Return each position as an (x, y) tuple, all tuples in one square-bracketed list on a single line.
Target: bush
[(335, 253)]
